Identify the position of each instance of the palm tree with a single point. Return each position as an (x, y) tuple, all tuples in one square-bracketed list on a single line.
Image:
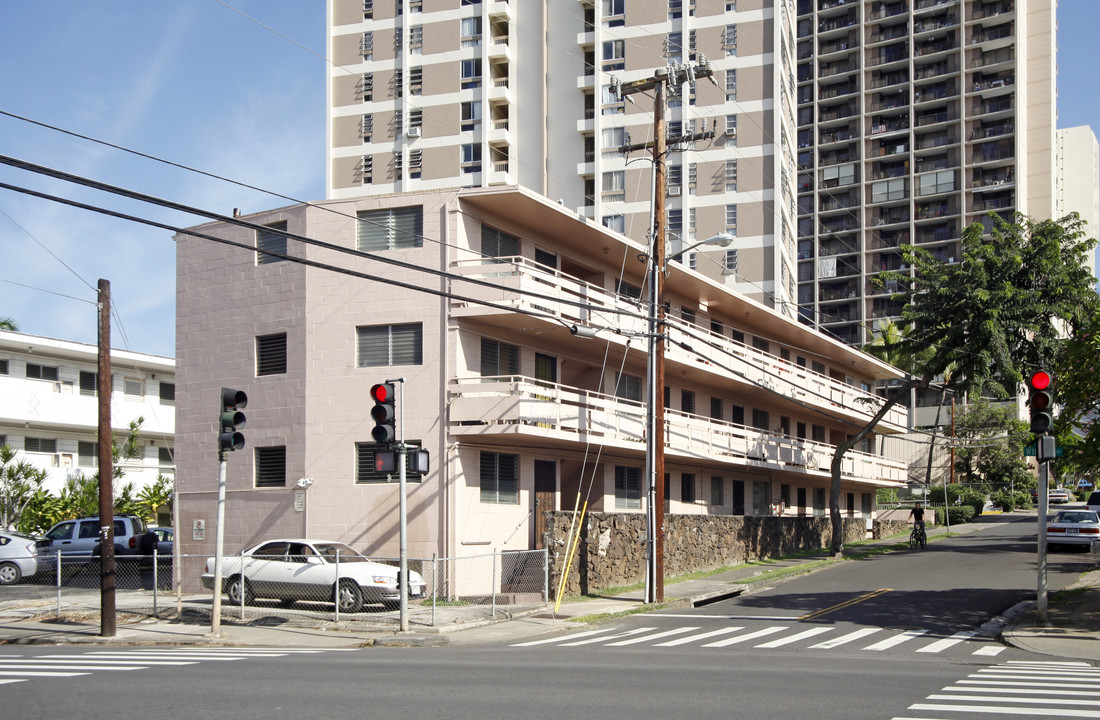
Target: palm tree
[(8, 324)]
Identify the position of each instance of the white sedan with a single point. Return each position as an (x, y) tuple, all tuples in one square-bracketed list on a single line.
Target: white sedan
[(18, 557), (295, 569), (1073, 527)]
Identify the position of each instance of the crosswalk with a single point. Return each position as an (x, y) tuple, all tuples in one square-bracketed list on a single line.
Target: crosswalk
[(1016, 689), (21, 668), (770, 637)]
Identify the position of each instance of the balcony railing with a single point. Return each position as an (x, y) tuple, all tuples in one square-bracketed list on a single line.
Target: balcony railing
[(515, 405), (574, 301)]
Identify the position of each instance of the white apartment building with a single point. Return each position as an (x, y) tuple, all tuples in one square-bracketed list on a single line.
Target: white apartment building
[(1079, 178), (49, 406), (473, 297)]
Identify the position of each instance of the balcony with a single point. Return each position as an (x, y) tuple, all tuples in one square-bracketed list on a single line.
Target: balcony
[(519, 284), (509, 406)]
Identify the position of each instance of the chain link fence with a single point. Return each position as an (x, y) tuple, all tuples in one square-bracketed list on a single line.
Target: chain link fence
[(294, 590)]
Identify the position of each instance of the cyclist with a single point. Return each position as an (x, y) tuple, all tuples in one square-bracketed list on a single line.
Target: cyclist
[(917, 516)]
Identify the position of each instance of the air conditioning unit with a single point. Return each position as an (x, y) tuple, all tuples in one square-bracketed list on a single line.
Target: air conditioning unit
[(414, 132), (674, 190)]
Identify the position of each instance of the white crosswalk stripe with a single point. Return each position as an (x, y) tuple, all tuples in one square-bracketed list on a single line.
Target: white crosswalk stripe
[(20, 668), (1019, 689), (781, 636)]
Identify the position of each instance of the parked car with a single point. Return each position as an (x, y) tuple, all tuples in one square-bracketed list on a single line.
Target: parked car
[(296, 569), (1093, 503), (18, 557), (81, 537), (163, 538), (1073, 527), (1058, 496)]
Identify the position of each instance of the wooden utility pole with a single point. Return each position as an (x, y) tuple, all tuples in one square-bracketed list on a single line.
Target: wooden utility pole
[(655, 371), (107, 577)]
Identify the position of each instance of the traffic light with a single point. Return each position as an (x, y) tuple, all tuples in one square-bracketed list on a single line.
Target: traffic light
[(1041, 401), (231, 420), (383, 413)]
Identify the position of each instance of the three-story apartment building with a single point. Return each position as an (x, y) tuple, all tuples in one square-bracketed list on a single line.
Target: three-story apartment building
[(518, 333)]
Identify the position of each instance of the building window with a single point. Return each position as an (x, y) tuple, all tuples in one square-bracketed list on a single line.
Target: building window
[(499, 478), (471, 73), (610, 102), (87, 454), (470, 113), (716, 408), (133, 388), (271, 354), (729, 40), (613, 140), (391, 229), (3, 367), (366, 127), (40, 445), (167, 393), (729, 263), (416, 39), (271, 466), (628, 488), (674, 45), (614, 54), (416, 119), (615, 223), (687, 488), (761, 419), (89, 383), (731, 129), (731, 174), (717, 497), (470, 31), (366, 87), (675, 9), (731, 85), (628, 291), (364, 463), (498, 359), (613, 11), (416, 163), (366, 46), (365, 168), (416, 81), (731, 219), (272, 239), (470, 160), (165, 457), (495, 243), (687, 402), (818, 433), (628, 387), (384, 345), (41, 372), (614, 186)]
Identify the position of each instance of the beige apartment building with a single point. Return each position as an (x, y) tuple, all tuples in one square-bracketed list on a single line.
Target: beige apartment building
[(517, 329), (453, 93)]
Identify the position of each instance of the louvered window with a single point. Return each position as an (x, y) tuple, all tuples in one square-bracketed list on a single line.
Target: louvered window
[(366, 87), (499, 478), (391, 229), (365, 168), (366, 46), (41, 372), (495, 243), (416, 80), (416, 163), (167, 393), (729, 40), (133, 388), (272, 239), (89, 383), (271, 466), (366, 127), (687, 487), (416, 39), (498, 358), (271, 354), (628, 488), (385, 345)]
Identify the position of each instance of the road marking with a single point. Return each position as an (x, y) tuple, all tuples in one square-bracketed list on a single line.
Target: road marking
[(990, 650), (1008, 710), (700, 636), (39, 673), (846, 603), (19, 665), (684, 616), (144, 660), (850, 637), (627, 633), (941, 645), (9, 681), (998, 698), (559, 638), (1030, 683), (896, 640), (743, 638), (656, 636), (1025, 691), (795, 638)]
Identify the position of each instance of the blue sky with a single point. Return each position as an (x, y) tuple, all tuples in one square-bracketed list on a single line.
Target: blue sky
[(197, 83)]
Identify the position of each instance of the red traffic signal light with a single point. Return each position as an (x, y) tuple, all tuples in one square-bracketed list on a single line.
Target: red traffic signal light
[(1040, 380), (1041, 402), (231, 419), (383, 413)]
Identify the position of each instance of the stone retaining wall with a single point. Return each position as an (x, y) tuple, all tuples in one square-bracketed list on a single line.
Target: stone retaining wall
[(611, 551)]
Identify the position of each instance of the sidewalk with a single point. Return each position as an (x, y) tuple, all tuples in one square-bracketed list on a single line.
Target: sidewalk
[(1073, 632)]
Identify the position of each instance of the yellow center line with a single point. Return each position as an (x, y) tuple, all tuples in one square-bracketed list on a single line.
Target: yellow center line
[(846, 603)]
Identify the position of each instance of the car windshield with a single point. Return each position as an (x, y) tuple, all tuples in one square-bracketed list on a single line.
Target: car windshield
[(1077, 517), (347, 554)]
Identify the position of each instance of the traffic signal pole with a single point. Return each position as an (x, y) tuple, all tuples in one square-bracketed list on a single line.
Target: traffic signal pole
[(1041, 402), (1041, 599), (403, 523)]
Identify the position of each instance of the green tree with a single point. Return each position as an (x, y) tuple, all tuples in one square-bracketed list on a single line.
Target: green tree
[(8, 324), (985, 319), (1077, 390), (155, 496), (991, 453), (19, 483)]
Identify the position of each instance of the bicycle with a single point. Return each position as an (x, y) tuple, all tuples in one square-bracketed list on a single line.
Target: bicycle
[(917, 537)]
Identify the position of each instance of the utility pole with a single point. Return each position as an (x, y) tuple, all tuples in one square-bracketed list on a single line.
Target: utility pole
[(655, 369), (107, 577)]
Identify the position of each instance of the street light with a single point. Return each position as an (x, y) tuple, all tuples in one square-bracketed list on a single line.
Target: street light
[(719, 240)]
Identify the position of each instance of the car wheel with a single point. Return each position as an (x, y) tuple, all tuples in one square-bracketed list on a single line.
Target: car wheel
[(349, 598), (237, 588), (10, 573)]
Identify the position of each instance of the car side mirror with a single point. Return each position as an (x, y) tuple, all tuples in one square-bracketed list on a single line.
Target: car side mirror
[(313, 560)]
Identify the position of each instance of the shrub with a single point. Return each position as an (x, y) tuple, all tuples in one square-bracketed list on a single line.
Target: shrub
[(959, 514), (1005, 500)]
